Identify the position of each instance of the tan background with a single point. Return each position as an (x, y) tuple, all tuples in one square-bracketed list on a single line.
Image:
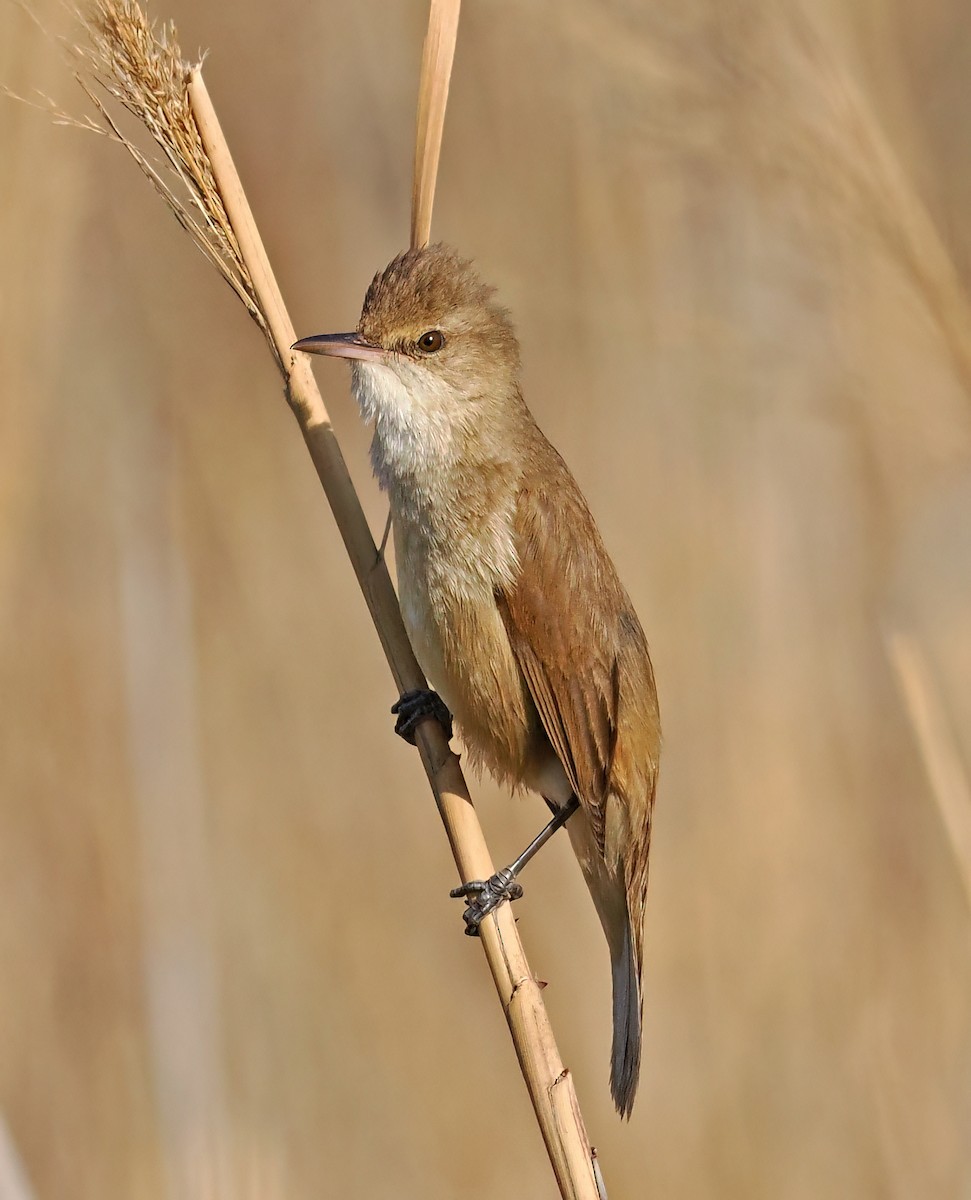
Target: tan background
[(735, 239)]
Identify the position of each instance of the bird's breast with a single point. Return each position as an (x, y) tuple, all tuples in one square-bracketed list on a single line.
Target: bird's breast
[(449, 609)]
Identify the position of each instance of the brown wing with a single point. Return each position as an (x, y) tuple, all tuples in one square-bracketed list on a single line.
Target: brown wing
[(570, 625)]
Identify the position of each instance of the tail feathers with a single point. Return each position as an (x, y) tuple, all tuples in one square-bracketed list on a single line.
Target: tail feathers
[(625, 1056), (613, 899)]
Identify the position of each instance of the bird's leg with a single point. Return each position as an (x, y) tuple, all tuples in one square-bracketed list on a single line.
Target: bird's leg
[(413, 707), (484, 895), (384, 540)]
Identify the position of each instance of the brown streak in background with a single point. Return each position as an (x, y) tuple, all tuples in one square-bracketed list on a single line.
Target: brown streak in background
[(946, 772)]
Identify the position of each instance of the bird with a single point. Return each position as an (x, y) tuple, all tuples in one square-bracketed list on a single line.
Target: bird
[(515, 611)]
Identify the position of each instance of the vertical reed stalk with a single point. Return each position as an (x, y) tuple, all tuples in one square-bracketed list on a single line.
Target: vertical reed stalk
[(436, 72)]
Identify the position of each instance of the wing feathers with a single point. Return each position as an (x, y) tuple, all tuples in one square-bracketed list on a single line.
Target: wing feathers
[(583, 655), (568, 618)]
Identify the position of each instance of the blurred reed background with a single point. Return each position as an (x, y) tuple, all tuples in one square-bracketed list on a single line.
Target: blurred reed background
[(735, 240)]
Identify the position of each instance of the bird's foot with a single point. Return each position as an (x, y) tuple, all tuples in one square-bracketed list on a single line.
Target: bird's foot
[(413, 707), (484, 896)]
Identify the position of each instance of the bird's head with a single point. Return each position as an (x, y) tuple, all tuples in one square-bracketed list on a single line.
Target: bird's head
[(432, 342)]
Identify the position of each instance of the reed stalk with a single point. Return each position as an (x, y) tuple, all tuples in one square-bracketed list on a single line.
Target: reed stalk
[(437, 56), (129, 62)]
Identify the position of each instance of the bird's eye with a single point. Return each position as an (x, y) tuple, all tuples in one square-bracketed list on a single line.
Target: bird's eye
[(431, 342)]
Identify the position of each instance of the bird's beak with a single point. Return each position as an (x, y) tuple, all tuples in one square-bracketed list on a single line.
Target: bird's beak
[(340, 345)]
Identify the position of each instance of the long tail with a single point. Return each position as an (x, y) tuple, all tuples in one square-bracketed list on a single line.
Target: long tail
[(625, 1055), (609, 893)]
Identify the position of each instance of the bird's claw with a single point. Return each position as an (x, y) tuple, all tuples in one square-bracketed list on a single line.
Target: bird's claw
[(413, 707), (484, 896)]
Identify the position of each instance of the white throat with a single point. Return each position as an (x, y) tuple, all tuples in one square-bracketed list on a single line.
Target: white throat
[(414, 418), (422, 437)]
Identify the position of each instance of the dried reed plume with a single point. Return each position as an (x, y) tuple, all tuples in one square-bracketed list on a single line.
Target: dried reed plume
[(139, 64)]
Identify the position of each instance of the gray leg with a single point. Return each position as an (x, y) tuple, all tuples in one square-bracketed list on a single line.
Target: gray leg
[(484, 895)]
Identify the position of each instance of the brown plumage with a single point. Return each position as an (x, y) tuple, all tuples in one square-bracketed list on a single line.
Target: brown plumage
[(514, 608)]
